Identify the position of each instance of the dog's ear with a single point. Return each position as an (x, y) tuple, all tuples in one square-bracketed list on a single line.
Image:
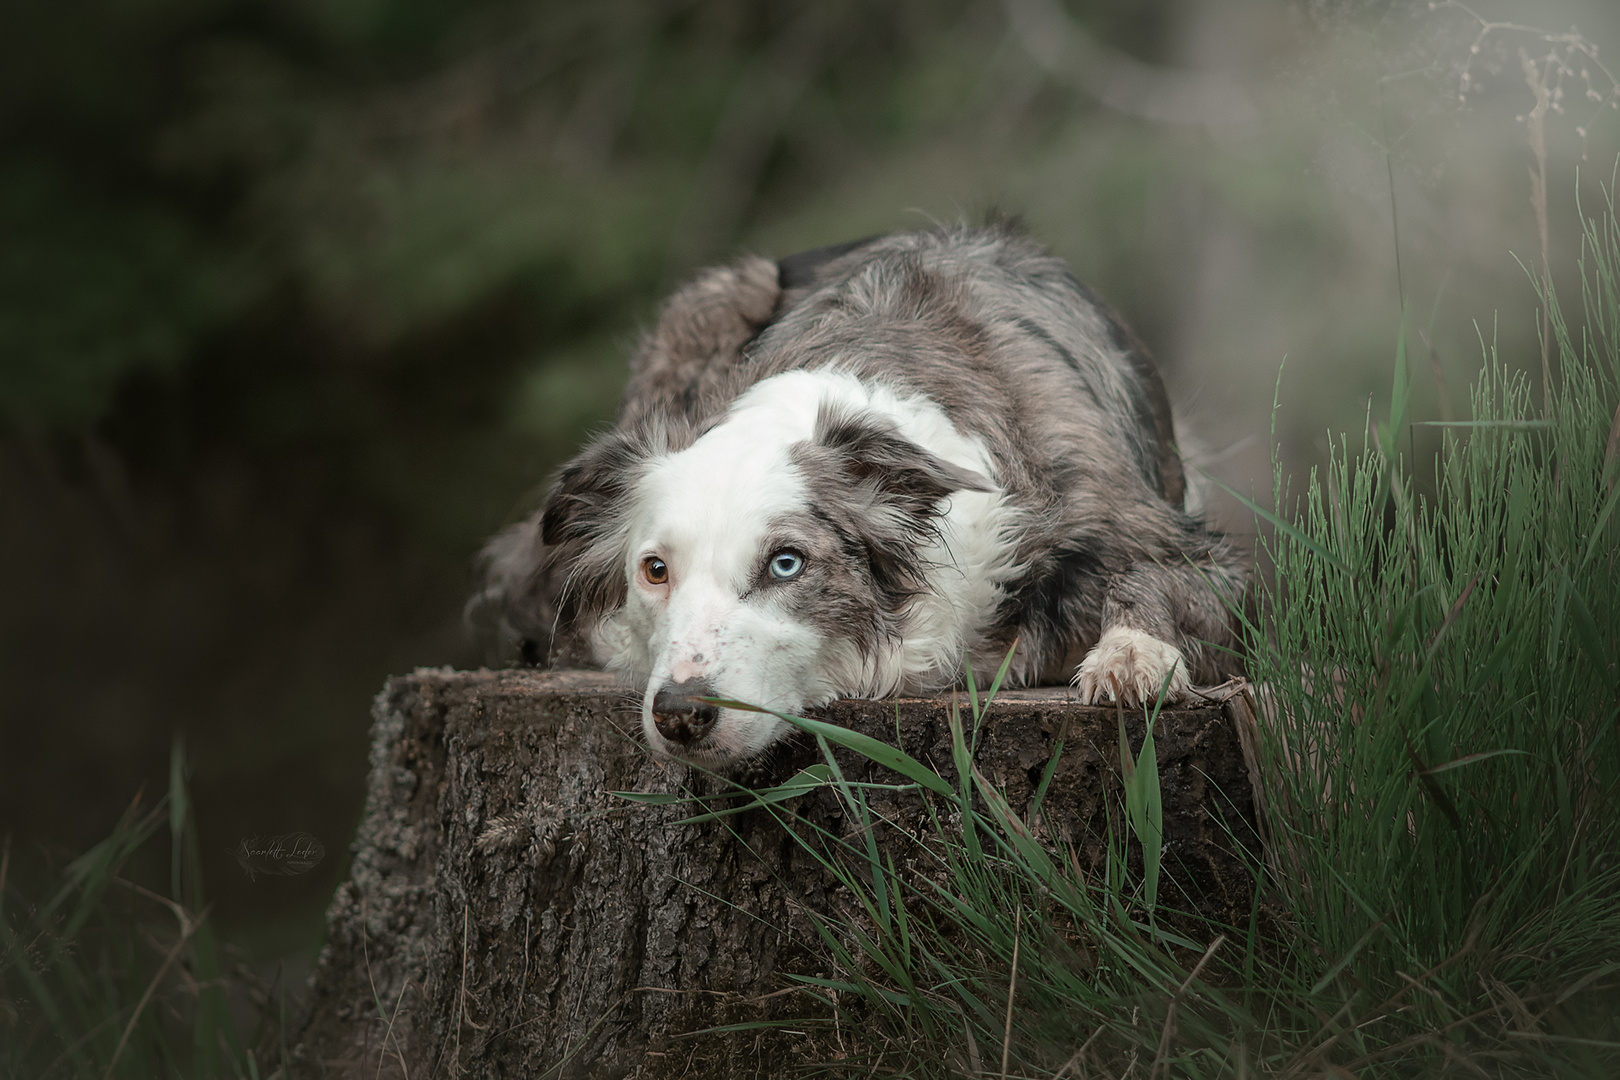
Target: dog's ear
[(871, 451), (544, 579), (884, 489), (584, 521), (587, 498)]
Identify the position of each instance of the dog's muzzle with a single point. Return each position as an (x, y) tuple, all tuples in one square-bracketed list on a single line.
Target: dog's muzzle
[(678, 713)]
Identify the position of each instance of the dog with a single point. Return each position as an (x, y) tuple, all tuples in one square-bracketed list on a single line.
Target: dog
[(853, 471)]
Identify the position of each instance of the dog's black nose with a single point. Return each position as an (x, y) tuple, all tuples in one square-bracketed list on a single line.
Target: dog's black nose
[(679, 715)]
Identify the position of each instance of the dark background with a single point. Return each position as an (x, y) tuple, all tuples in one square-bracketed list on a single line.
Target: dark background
[(301, 300)]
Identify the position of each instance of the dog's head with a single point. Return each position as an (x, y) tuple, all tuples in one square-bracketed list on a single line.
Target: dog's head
[(768, 561)]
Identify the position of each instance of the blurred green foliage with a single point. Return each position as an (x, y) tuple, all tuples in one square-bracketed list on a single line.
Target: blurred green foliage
[(94, 291), (353, 203), (362, 225)]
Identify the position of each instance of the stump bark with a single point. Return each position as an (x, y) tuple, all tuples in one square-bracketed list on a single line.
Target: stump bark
[(507, 915)]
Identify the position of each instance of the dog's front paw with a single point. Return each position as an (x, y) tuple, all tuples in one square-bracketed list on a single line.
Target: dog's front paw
[(1135, 664)]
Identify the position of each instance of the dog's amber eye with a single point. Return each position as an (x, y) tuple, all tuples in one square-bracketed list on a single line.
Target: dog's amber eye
[(785, 565), (655, 570)]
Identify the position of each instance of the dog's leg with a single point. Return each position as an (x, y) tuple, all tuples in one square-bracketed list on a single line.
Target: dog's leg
[(1160, 623)]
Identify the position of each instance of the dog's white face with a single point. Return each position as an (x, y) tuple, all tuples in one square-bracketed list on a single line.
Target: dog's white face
[(786, 557), (713, 567)]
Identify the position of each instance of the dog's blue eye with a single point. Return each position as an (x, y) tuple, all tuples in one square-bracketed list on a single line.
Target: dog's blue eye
[(785, 565)]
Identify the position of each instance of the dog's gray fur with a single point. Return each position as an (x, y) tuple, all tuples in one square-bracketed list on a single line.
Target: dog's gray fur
[(1015, 350)]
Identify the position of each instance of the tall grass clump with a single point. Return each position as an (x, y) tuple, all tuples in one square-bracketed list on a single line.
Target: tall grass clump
[(110, 968), (1442, 703)]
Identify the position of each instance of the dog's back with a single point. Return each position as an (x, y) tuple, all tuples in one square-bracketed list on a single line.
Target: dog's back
[(711, 339)]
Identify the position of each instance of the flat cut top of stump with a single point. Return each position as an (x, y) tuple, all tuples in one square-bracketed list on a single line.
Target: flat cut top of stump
[(508, 915)]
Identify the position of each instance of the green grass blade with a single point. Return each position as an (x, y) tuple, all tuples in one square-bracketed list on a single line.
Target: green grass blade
[(1287, 529), (800, 783), (650, 798), (880, 752), (1345, 960), (1473, 759), (1048, 772), (1499, 425), (995, 685), (962, 758)]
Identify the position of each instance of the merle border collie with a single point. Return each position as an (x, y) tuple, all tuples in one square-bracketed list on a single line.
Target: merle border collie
[(852, 471)]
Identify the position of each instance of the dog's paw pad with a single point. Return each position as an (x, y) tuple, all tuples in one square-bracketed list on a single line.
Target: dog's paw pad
[(1136, 664)]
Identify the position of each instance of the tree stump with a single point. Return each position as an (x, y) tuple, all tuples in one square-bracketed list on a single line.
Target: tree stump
[(508, 916)]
